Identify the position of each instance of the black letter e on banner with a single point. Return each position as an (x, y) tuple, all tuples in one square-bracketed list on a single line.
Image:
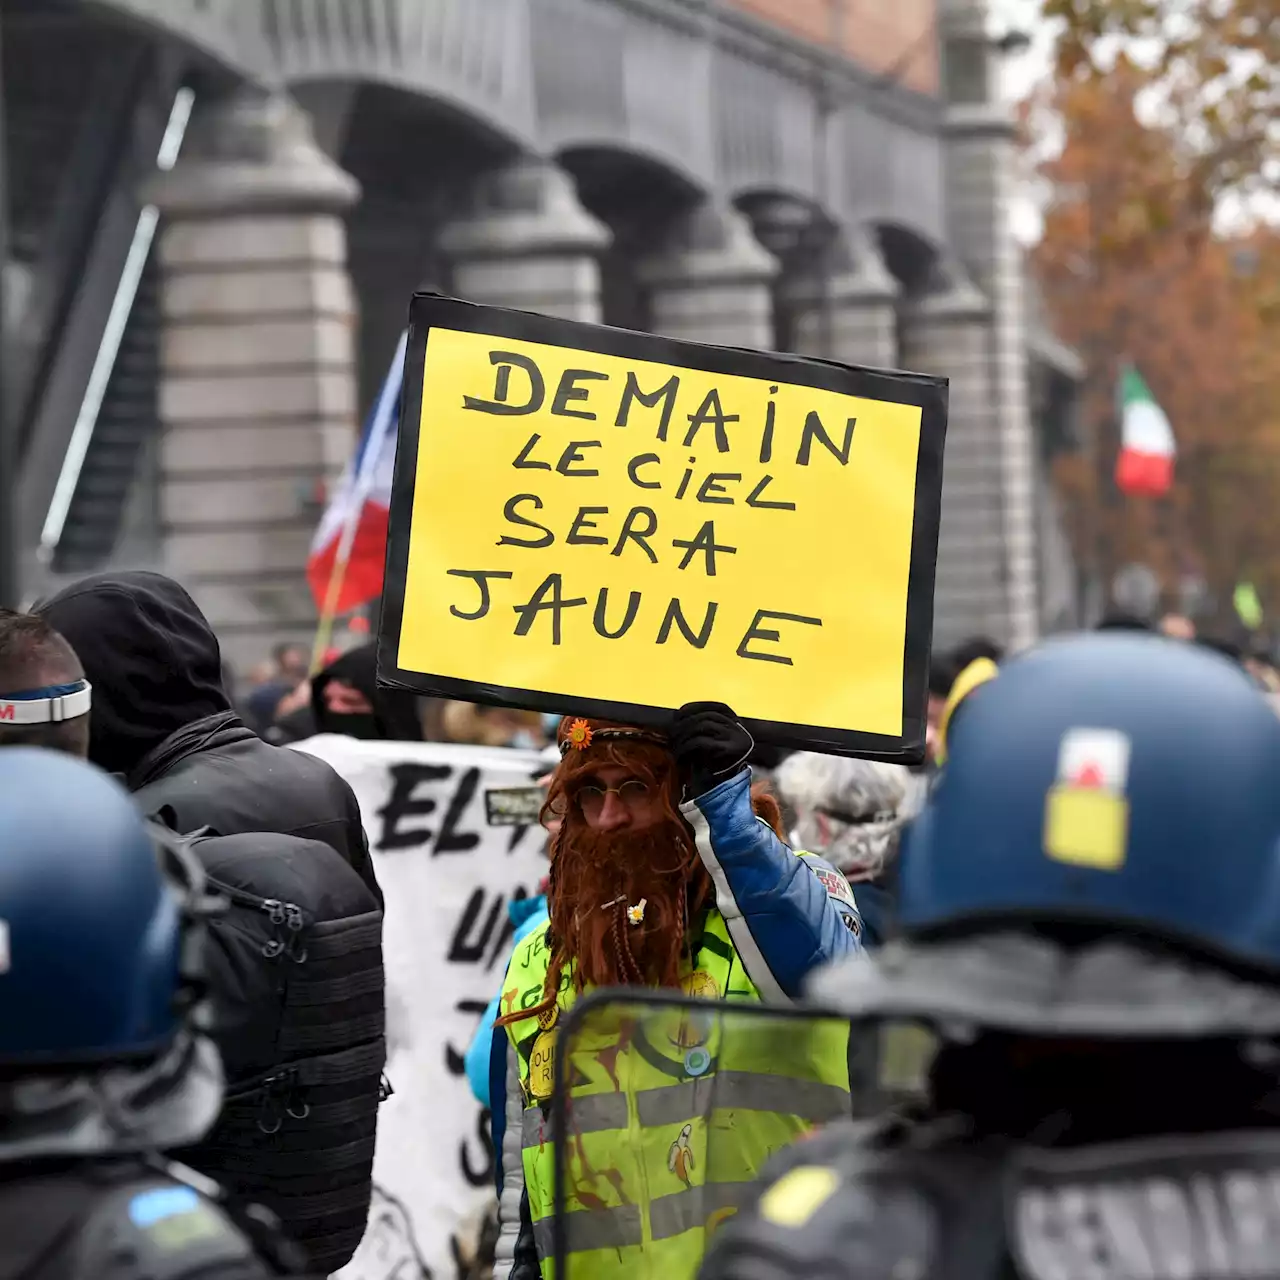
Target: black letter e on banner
[(505, 361)]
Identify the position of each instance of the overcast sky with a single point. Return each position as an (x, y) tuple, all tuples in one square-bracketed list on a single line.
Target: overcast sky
[(1022, 72)]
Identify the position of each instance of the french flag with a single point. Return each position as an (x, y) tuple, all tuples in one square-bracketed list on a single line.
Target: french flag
[(344, 569)]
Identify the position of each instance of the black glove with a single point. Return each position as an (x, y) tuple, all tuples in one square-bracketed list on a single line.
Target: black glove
[(709, 744)]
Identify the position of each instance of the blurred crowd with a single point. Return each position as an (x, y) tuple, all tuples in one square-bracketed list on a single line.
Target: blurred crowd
[(269, 854), (849, 811), (284, 703)]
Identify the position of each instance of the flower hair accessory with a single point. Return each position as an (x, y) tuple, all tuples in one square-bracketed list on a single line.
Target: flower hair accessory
[(581, 734)]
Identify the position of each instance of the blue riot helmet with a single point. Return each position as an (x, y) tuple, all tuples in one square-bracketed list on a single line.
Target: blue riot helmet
[(101, 1040), (1101, 854)]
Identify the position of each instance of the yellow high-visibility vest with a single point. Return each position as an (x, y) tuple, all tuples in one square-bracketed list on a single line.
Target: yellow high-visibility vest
[(671, 1115)]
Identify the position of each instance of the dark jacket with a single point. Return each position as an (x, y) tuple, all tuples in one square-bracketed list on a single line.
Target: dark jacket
[(297, 726), (218, 773), (163, 721)]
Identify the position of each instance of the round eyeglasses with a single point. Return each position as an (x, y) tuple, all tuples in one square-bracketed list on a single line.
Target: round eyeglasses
[(632, 793)]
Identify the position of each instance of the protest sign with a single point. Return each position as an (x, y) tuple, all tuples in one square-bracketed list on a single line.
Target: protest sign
[(447, 875), (612, 523)]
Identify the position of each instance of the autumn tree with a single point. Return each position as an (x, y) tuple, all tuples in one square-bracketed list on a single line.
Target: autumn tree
[(1131, 271), (1212, 75)]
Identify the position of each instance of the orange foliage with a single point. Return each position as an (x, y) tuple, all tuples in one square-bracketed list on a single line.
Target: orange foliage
[(1130, 270)]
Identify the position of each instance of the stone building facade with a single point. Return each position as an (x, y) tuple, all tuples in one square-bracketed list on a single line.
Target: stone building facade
[(826, 176)]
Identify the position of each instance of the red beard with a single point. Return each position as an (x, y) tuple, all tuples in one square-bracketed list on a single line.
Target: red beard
[(596, 876)]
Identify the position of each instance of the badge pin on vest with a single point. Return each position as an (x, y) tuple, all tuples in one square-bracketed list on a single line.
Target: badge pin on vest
[(693, 1030), (542, 1065), (700, 985), (697, 1062), (720, 1217), (680, 1157)]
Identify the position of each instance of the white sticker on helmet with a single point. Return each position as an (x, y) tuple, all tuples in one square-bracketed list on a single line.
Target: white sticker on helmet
[(1094, 758), (4, 946)]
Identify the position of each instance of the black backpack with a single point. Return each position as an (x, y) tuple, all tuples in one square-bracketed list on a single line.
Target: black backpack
[(296, 982)]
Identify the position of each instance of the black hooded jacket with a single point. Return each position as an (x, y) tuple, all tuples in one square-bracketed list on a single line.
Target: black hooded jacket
[(395, 715), (162, 720)]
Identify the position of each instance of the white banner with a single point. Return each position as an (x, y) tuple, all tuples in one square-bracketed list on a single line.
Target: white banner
[(449, 860)]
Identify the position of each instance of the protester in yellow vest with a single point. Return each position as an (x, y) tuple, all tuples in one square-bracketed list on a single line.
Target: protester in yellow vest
[(668, 871)]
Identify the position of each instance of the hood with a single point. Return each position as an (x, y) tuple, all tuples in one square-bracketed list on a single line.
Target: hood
[(150, 655), (522, 909), (395, 713)]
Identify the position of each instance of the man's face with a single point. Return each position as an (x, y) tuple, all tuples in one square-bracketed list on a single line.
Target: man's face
[(623, 843), (612, 799), (1177, 627), (343, 699), (294, 662)]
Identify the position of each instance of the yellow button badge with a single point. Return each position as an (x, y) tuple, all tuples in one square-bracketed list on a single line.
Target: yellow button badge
[(542, 1064)]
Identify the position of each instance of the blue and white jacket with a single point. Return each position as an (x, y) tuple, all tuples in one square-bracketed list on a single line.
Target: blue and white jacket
[(786, 916)]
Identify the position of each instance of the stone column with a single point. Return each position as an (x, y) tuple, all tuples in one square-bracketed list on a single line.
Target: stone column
[(712, 281), (947, 333), (528, 244), (257, 379), (980, 157), (860, 321)]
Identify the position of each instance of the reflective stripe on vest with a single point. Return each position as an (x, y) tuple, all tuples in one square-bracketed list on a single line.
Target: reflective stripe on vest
[(669, 1216), (643, 1181), (677, 1104)]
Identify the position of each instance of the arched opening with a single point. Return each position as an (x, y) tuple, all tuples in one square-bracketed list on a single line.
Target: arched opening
[(801, 235), (638, 198), (911, 257), (914, 261), (416, 159)]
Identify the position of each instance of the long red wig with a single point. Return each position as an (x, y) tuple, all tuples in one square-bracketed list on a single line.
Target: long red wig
[(596, 876)]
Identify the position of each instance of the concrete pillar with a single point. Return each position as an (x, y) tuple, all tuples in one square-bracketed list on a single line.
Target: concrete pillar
[(528, 244), (981, 180), (860, 321), (257, 379), (946, 332), (711, 281)]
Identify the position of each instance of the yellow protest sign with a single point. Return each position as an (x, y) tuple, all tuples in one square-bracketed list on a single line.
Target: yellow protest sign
[(613, 523)]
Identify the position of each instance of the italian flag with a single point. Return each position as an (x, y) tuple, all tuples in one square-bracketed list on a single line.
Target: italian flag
[(1147, 449)]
